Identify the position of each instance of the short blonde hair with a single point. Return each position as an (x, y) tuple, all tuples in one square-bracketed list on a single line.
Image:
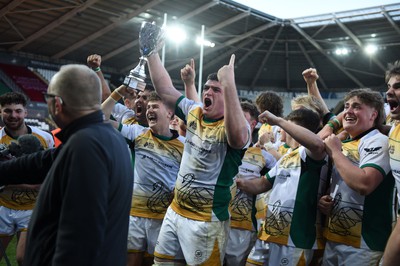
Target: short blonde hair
[(309, 102)]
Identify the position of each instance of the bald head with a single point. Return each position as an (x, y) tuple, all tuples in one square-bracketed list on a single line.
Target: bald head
[(78, 86)]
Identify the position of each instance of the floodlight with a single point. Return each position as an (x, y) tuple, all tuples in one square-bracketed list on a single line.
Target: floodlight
[(341, 51), (371, 49), (207, 43), (176, 34)]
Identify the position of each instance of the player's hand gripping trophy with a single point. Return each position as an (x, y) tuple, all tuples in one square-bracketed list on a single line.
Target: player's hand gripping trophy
[(151, 38)]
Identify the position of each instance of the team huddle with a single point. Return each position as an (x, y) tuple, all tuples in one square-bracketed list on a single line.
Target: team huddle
[(168, 179)]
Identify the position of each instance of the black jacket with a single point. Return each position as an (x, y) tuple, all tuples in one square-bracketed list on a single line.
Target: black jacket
[(82, 213)]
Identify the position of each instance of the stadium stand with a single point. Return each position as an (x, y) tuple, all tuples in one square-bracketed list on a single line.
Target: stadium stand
[(4, 88), (46, 74), (38, 115), (32, 86)]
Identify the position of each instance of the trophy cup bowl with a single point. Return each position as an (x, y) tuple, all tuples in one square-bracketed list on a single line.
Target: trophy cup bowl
[(151, 38)]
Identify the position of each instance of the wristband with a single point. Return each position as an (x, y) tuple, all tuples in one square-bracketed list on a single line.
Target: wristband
[(337, 122), (331, 125), (116, 96), (97, 69), (327, 117)]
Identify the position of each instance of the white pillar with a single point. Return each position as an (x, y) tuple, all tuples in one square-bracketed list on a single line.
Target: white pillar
[(200, 85), (163, 48)]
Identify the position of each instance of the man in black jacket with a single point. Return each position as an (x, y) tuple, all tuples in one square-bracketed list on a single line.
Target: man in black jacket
[(82, 213)]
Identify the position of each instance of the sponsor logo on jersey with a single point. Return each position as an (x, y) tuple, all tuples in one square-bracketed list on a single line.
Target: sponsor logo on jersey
[(193, 125), (391, 149), (373, 150)]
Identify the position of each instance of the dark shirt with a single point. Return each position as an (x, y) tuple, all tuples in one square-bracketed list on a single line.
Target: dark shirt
[(82, 212)]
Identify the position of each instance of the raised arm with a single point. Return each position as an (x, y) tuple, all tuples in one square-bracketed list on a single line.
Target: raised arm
[(108, 105), (236, 126), (94, 62), (188, 75), (313, 143), (310, 77), (162, 81)]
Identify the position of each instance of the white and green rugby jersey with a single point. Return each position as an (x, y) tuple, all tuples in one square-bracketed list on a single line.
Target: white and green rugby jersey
[(394, 153), (209, 164), (243, 207), (123, 114), (292, 215), (363, 221), (156, 161), (23, 197)]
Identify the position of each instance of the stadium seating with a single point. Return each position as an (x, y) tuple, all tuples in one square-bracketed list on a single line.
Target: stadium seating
[(26, 80), (4, 88), (45, 73)]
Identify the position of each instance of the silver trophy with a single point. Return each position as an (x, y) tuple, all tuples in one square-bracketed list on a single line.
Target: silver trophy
[(151, 38)]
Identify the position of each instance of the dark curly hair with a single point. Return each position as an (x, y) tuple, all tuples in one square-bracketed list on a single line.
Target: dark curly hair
[(13, 98), (149, 87), (270, 101)]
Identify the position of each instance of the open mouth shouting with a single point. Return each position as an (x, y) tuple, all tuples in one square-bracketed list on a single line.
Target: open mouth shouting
[(394, 105), (139, 109), (207, 102), (152, 118)]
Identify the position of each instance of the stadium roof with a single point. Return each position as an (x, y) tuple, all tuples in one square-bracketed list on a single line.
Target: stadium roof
[(270, 52), (294, 8)]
